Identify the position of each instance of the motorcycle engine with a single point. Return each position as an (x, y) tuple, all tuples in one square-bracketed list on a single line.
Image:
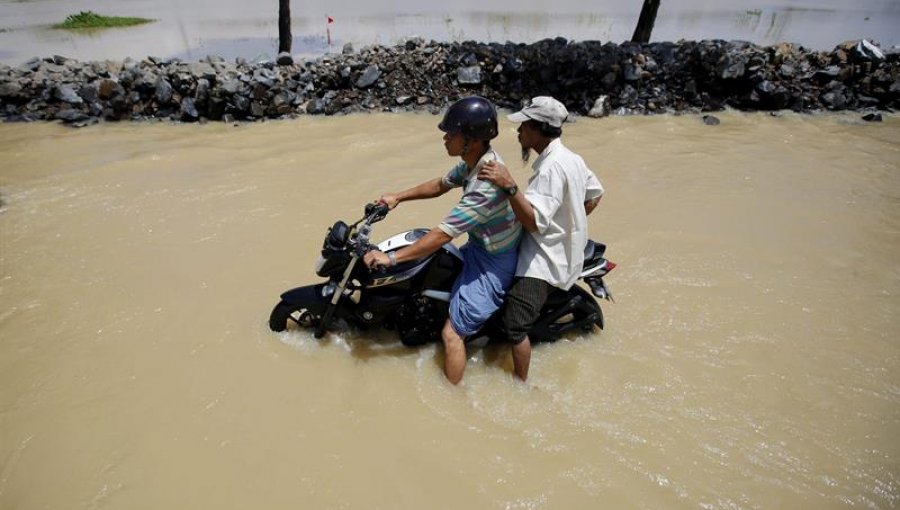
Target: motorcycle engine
[(419, 321)]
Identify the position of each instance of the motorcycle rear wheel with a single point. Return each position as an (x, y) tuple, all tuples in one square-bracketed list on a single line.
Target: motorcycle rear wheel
[(284, 314), (582, 318)]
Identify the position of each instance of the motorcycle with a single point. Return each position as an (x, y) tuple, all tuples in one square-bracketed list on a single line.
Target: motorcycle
[(413, 297)]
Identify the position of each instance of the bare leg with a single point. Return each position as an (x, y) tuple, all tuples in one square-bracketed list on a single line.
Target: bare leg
[(454, 354), (521, 353)]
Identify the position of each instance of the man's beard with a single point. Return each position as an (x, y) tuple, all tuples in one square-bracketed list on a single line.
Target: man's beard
[(526, 155)]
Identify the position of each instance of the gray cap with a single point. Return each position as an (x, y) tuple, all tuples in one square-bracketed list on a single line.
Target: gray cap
[(542, 109)]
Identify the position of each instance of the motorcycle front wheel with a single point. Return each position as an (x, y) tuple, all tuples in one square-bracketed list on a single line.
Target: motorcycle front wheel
[(285, 314)]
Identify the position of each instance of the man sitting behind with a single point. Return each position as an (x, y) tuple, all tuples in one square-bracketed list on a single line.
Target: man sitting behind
[(553, 210)]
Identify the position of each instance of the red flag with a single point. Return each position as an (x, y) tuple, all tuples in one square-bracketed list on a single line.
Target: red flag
[(330, 19)]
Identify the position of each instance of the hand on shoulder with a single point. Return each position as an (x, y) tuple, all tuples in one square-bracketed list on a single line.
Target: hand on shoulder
[(496, 173)]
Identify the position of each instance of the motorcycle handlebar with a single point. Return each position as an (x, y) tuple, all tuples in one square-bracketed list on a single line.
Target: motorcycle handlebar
[(376, 211)]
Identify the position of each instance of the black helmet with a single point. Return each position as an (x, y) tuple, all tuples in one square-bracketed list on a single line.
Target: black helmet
[(474, 117)]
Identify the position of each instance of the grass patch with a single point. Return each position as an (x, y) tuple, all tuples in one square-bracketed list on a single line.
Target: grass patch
[(89, 19)]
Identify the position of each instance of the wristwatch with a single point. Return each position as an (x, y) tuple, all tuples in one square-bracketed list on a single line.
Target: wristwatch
[(512, 190)]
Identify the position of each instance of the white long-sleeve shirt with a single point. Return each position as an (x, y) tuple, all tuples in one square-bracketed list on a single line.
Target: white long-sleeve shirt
[(557, 191)]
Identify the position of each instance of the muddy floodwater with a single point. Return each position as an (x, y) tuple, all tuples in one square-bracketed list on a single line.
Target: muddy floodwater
[(751, 359)]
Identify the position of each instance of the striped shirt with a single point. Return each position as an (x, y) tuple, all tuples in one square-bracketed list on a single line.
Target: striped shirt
[(483, 211)]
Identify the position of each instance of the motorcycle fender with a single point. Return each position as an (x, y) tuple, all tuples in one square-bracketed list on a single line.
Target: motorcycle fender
[(310, 297)]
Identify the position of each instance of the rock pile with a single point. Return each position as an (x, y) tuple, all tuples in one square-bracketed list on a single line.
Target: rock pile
[(587, 76)]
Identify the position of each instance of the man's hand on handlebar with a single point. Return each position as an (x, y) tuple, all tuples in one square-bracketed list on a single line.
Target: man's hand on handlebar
[(376, 260), (389, 199)]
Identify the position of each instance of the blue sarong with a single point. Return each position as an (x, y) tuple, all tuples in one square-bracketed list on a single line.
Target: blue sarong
[(479, 290)]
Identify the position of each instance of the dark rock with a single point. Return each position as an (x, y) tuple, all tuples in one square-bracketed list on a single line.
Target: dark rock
[(280, 104), (347, 49), (265, 77), (628, 95), (732, 67), (315, 107), (33, 64), (872, 117), (609, 80), (711, 120), (164, 91), (109, 89), (188, 109), (260, 91), (833, 100), (765, 87), (867, 101), (88, 92), (468, 75), (202, 93), (513, 65), (690, 89), (11, 90), (786, 71), (257, 109), (827, 74), (71, 115), (369, 77), (864, 51), (65, 94), (772, 96), (241, 104), (202, 70), (232, 86), (632, 72)]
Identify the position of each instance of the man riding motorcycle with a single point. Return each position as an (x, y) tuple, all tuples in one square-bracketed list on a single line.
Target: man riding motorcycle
[(483, 212)]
